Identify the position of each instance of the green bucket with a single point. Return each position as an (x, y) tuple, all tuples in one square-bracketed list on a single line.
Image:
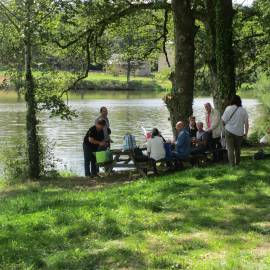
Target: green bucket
[(103, 157)]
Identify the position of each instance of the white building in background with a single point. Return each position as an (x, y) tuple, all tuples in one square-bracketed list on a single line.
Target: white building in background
[(162, 63), (138, 68)]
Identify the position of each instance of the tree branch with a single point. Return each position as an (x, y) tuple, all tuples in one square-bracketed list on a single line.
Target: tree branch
[(113, 18), (9, 16), (85, 75), (249, 37), (165, 33)]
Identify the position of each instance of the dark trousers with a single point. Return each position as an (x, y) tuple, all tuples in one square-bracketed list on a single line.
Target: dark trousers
[(154, 165), (214, 144), (90, 166)]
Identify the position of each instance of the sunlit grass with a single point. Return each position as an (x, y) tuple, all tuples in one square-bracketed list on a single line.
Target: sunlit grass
[(212, 218)]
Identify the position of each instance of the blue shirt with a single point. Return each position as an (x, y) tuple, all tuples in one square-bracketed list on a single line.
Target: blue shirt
[(183, 143)]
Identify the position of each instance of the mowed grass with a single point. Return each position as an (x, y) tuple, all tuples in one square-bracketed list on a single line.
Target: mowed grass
[(202, 219)]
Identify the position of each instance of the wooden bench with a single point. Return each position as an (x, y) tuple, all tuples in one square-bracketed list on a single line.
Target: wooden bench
[(126, 159)]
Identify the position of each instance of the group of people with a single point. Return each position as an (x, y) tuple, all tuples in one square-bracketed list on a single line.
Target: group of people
[(196, 138)]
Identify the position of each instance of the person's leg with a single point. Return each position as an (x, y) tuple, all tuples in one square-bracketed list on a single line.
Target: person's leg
[(230, 147), (87, 159), (212, 147), (218, 149), (94, 168), (215, 146), (178, 160), (154, 165), (237, 144)]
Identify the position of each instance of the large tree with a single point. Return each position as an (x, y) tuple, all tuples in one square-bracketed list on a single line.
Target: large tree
[(218, 22), (224, 54), (180, 100)]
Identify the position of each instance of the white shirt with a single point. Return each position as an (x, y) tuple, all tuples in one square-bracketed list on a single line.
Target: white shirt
[(155, 147), (235, 125), (265, 139)]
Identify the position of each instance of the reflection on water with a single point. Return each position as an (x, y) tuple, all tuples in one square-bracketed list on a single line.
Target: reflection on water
[(125, 116)]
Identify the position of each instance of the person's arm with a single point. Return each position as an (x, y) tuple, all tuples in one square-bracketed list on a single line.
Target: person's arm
[(149, 148), (215, 120), (202, 142), (206, 121), (99, 143), (246, 128), (180, 140), (97, 120), (93, 140)]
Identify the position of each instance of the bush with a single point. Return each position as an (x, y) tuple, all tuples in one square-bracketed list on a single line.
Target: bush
[(14, 161), (262, 88)]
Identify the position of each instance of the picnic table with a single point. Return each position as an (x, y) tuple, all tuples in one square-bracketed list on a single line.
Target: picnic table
[(126, 159)]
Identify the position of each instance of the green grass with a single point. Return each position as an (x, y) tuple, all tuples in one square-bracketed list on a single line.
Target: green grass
[(213, 218), (103, 80)]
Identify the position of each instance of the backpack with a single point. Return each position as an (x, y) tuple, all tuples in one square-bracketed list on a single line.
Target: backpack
[(168, 150), (259, 155), (139, 156), (129, 142)]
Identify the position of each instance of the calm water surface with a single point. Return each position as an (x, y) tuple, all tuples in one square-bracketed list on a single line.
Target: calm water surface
[(125, 115)]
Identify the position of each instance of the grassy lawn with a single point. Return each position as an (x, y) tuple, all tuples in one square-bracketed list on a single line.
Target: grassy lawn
[(103, 81), (211, 218)]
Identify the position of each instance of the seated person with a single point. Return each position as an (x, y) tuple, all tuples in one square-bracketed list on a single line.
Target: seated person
[(192, 129), (183, 142), (155, 148), (93, 141), (200, 143)]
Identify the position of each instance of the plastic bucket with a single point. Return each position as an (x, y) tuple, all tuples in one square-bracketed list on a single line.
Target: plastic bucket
[(104, 157)]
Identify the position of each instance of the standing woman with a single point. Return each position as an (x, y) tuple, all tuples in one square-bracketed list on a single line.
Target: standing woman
[(213, 127), (235, 120)]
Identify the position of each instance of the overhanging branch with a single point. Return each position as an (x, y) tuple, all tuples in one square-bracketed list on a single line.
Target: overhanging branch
[(9, 16), (113, 18)]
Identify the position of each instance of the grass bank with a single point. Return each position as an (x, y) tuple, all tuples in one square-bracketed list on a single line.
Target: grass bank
[(213, 218), (109, 82)]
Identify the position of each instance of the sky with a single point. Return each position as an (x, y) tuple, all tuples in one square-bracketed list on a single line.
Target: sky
[(246, 2)]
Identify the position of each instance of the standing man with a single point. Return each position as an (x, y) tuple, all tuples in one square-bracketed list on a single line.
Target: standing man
[(93, 140), (107, 130), (214, 128)]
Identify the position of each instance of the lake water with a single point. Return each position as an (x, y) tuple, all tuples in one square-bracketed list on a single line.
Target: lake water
[(125, 115)]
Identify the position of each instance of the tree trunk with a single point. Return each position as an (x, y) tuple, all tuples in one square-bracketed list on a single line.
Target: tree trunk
[(128, 70), (19, 81), (210, 27), (179, 101), (224, 54), (31, 119)]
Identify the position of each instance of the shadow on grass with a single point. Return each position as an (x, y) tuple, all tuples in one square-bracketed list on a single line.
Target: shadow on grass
[(122, 257), (67, 229)]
